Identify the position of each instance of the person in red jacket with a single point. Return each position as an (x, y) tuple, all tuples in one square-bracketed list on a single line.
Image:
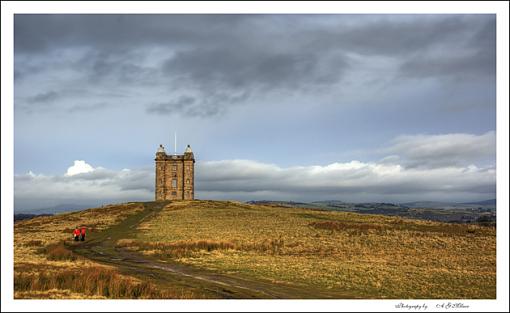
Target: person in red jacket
[(82, 233), (76, 234)]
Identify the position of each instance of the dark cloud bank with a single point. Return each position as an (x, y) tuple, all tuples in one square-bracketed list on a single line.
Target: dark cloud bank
[(219, 61)]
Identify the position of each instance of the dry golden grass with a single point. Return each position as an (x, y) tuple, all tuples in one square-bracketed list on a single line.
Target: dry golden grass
[(175, 249), (58, 251), (87, 282), (31, 234), (359, 256), (39, 252), (367, 256)]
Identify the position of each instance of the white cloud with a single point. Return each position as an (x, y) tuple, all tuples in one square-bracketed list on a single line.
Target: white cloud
[(445, 149), (246, 180), (350, 178), (99, 186), (79, 167)]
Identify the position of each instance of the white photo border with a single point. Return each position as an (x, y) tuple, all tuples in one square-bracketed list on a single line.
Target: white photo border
[(240, 7)]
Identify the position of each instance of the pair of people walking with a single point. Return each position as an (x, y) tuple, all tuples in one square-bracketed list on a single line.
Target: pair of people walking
[(79, 234)]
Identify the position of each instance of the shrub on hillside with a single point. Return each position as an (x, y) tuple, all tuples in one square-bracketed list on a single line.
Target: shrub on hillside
[(58, 252)]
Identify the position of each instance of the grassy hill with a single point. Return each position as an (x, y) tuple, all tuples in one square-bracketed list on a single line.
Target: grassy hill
[(223, 249)]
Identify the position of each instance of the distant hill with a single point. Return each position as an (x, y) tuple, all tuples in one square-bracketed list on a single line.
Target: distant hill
[(291, 204), (347, 205), (56, 209), (447, 205), (329, 202), (23, 216), (430, 204), (491, 202), (426, 210), (335, 204)]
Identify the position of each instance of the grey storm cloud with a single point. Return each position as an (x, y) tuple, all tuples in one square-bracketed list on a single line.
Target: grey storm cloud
[(191, 106), (35, 33), (216, 58), (436, 151), (471, 55), (88, 107), (120, 67), (440, 48), (172, 106), (247, 180), (44, 97), (463, 65), (242, 67), (40, 101), (367, 34)]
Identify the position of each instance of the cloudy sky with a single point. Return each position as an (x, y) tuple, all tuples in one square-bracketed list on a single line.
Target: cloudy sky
[(290, 107)]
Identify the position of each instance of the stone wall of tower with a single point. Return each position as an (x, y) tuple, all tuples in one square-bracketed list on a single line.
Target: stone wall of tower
[(189, 180), (175, 177), (160, 177)]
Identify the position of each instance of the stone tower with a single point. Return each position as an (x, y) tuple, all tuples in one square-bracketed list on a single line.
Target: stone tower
[(175, 175)]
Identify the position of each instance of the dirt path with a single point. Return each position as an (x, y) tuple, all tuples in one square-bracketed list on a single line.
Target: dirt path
[(100, 247)]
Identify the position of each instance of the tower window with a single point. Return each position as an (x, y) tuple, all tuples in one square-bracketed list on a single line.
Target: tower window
[(175, 168), (174, 183)]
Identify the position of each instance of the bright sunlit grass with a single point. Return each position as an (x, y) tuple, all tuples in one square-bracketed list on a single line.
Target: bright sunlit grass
[(365, 256)]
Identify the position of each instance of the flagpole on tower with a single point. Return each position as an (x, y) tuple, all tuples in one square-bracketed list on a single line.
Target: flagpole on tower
[(175, 143)]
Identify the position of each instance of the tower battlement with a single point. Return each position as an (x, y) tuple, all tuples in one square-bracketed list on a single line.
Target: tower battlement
[(175, 175)]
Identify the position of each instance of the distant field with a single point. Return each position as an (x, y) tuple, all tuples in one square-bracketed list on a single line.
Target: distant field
[(222, 249), (483, 212)]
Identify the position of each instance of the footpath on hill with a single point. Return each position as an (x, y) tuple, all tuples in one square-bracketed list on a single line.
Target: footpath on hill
[(101, 247)]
